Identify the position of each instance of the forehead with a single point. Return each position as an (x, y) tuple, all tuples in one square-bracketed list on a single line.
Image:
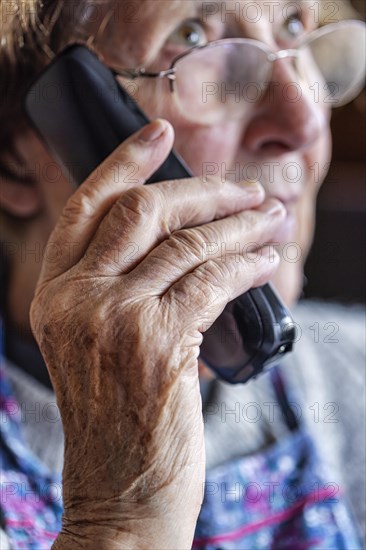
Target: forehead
[(141, 26), (173, 8)]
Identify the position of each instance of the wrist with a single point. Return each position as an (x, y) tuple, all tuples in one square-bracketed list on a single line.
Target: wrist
[(89, 539), (168, 521), (142, 535)]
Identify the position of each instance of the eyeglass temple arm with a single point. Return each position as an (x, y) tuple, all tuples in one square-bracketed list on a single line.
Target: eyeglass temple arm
[(136, 73), (170, 73)]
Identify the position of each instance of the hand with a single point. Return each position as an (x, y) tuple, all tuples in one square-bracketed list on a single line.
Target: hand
[(119, 322)]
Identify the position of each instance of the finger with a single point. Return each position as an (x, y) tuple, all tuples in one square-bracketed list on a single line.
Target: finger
[(145, 216), (203, 294), (130, 165), (185, 250)]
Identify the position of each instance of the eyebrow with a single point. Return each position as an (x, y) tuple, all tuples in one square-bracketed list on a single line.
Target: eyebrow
[(300, 3), (173, 12)]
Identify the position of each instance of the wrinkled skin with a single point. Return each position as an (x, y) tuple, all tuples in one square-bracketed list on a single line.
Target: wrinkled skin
[(138, 324), (119, 315)]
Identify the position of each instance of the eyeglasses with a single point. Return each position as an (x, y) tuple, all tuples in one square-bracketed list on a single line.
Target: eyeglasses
[(222, 79)]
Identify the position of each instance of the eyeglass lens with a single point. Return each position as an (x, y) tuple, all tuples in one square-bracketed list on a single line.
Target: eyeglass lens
[(223, 80)]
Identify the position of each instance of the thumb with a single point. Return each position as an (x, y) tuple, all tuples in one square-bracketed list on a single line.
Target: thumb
[(136, 159), (130, 165)]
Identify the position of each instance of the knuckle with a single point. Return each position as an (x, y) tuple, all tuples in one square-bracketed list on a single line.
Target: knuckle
[(222, 271), (189, 241), (215, 271), (213, 233), (214, 279), (140, 202), (79, 206)]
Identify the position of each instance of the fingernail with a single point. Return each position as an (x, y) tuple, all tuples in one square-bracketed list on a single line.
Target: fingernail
[(152, 131), (251, 186)]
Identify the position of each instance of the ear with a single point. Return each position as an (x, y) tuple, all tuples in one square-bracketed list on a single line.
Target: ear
[(21, 199)]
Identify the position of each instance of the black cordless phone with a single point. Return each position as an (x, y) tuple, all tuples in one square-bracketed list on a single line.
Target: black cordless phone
[(83, 114)]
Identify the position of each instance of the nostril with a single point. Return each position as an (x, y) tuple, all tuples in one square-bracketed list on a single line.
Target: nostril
[(274, 147), (279, 131), (279, 125)]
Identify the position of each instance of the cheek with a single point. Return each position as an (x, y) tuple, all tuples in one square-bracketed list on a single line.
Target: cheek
[(204, 148), (207, 151), (317, 165)]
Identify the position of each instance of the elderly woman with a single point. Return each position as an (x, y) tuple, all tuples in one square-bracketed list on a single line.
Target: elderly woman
[(120, 328)]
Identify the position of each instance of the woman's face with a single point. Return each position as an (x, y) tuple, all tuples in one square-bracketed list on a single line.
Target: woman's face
[(283, 140), (284, 143)]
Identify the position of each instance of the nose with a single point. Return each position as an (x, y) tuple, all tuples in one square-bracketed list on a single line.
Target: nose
[(288, 117)]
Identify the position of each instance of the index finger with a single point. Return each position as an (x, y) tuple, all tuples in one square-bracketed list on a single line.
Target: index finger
[(144, 152)]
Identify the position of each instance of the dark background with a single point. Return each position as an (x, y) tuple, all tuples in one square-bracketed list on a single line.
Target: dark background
[(336, 267)]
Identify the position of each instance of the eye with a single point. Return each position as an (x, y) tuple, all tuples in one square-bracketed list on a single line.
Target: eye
[(292, 30), (188, 34)]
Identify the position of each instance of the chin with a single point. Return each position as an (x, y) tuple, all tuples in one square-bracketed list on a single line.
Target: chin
[(288, 281)]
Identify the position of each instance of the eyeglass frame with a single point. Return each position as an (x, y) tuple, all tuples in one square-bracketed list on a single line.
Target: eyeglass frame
[(272, 56)]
